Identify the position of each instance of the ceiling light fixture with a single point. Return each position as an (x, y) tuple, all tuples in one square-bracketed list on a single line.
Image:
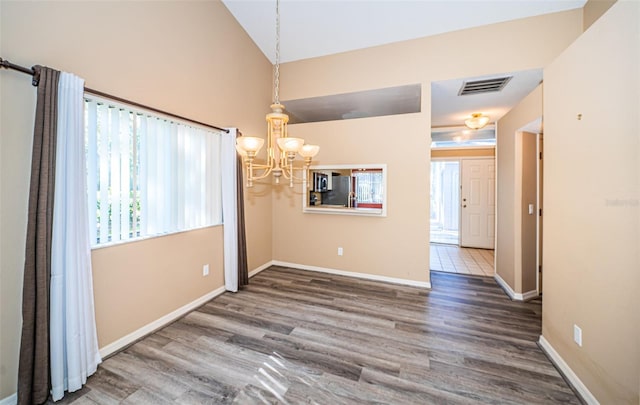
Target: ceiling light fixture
[(281, 149), (477, 121)]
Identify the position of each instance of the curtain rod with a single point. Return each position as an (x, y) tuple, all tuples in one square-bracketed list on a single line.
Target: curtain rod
[(34, 71)]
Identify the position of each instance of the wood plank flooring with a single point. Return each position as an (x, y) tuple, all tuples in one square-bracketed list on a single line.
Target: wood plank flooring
[(294, 337)]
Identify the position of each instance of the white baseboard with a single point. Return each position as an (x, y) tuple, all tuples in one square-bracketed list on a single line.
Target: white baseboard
[(529, 295), (506, 287), (421, 284), (142, 332), (10, 400), (564, 368), (260, 268), (165, 320), (158, 323), (512, 294), (170, 317)]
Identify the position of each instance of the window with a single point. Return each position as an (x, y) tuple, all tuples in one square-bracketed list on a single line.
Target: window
[(454, 137), (482, 143), (148, 175)]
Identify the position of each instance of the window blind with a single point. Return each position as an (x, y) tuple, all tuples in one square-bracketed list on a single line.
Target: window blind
[(148, 175)]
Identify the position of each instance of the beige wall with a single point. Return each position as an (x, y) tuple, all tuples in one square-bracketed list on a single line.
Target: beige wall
[(509, 247), (372, 245), (190, 58), (136, 283), (313, 239), (529, 222), (592, 210), (457, 153), (594, 9), (196, 61)]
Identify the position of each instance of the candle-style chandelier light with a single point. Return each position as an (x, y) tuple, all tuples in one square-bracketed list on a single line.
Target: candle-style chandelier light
[(281, 149)]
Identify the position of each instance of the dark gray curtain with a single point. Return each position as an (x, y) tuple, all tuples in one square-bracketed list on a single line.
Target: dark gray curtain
[(243, 271), (33, 368)]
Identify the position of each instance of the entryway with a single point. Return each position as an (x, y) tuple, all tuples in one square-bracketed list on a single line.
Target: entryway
[(454, 259), (462, 232), (463, 202)]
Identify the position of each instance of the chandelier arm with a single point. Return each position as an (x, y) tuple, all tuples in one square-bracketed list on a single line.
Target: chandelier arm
[(267, 172), (260, 166), (288, 173), (306, 184)]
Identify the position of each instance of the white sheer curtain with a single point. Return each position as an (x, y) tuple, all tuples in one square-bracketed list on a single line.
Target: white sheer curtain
[(73, 339), (228, 160)]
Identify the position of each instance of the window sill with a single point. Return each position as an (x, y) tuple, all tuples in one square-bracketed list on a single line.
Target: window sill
[(141, 238)]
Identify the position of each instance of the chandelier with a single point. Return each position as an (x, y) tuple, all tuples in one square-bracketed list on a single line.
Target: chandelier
[(477, 121), (281, 149)]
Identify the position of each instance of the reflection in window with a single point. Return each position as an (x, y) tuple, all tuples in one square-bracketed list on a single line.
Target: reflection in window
[(358, 189), (369, 190)]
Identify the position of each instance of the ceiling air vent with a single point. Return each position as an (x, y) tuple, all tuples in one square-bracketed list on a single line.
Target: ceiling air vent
[(484, 86)]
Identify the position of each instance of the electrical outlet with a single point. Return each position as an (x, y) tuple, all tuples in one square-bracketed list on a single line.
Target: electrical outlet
[(577, 335), (205, 270), (340, 251)]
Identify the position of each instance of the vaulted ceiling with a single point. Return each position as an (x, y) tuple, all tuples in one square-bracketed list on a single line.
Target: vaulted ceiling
[(312, 28)]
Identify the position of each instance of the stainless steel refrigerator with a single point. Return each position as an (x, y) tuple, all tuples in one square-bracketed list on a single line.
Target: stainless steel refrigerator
[(339, 193)]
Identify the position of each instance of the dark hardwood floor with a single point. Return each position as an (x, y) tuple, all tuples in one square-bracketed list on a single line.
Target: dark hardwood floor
[(296, 337)]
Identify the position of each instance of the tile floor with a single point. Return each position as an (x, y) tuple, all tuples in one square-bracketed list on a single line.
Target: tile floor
[(454, 259)]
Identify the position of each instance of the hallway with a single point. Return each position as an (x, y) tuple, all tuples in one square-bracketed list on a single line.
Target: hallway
[(454, 259)]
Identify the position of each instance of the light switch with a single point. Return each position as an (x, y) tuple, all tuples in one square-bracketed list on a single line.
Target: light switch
[(530, 209)]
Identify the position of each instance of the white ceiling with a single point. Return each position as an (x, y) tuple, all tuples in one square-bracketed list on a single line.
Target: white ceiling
[(311, 28), (450, 109)]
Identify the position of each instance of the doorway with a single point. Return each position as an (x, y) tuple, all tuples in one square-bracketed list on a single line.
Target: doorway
[(454, 259), (463, 202)]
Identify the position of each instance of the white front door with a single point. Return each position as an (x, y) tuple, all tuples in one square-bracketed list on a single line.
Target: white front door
[(478, 203)]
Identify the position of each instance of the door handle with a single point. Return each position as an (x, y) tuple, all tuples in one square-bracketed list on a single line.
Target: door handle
[(464, 206), (464, 199)]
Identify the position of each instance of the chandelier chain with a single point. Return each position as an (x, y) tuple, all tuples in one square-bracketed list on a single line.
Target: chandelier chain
[(277, 68), (281, 149)]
